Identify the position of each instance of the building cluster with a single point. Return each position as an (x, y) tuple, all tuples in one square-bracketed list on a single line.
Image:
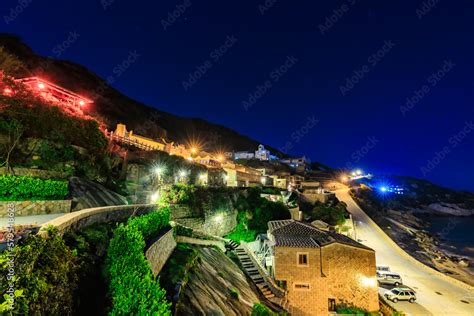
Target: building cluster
[(236, 174)]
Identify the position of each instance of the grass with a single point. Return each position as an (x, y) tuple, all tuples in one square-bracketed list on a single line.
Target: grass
[(245, 235)]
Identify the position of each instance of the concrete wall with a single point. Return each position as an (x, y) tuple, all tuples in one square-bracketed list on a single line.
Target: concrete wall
[(87, 217), (334, 272), (26, 208), (159, 252)]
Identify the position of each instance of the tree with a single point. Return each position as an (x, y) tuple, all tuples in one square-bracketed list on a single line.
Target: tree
[(9, 63), (13, 131), (333, 215)]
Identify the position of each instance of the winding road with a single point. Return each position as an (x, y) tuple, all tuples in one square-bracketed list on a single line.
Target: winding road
[(436, 294)]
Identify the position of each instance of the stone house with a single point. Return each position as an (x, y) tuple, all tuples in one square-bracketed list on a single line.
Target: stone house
[(319, 270)]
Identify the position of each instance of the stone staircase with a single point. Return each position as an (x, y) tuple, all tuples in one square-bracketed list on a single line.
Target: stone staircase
[(254, 273), (232, 244)]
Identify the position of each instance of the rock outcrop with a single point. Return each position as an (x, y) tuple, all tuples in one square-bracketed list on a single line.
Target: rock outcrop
[(216, 286), (450, 209), (88, 194)]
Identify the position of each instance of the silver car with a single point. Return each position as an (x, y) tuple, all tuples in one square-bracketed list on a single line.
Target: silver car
[(400, 294), (390, 278)]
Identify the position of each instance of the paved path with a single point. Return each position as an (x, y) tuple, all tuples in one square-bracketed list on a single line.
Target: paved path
[(30, 220), (436, 294)]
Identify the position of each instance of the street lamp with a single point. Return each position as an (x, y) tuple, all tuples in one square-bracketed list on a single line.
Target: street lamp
[(154, 197), (159, 171)]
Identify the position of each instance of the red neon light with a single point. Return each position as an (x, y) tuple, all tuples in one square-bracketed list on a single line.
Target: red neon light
[(59, 94), (7, 91)]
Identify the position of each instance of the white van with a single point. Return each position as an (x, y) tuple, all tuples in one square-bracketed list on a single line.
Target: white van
[(387, 277)]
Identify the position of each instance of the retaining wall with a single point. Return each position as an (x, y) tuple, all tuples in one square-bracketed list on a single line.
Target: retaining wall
[(28, 208), (159, 252)]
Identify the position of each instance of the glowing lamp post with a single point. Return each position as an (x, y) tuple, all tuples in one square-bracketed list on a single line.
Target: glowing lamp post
[(203, 178)]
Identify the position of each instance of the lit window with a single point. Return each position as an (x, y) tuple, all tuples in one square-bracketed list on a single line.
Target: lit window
[(302, 259), (302, 286)]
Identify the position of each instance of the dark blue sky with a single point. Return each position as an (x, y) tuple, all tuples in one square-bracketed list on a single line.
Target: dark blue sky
[(358, 98)]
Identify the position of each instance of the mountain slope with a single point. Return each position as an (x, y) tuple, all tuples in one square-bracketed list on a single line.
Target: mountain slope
[(113, 107)]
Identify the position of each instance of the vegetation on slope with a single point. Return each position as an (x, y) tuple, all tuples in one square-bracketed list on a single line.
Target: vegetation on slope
[(254, 214), (57, 275), (132, 287)]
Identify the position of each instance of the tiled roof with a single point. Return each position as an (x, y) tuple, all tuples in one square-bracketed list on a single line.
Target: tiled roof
[(291, 233)]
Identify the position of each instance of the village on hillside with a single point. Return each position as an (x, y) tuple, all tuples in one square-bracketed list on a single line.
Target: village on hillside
[(226, 232)]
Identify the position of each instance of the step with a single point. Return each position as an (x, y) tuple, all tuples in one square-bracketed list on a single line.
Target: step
[(269, 296), (258, 281)]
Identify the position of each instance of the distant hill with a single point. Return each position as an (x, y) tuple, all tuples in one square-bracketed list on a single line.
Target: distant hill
[(112, 107), (419, 193)]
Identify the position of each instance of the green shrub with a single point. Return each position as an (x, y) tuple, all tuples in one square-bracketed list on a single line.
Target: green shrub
[(45, 276), (352, 311), (259, 309), (132, 287), (17, 188), (333, 215)]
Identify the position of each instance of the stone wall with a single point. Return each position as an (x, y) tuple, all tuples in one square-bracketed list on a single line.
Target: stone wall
[(320, 197), (334, 271), (351, 273), (218, 222), (87, 217), (159, 252), (27, 208)]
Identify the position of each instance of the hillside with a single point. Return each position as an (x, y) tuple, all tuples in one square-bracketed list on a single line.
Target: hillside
[(114, 107)]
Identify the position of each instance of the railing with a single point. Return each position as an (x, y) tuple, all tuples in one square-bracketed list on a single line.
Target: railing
[(278, 291), (131, 142)]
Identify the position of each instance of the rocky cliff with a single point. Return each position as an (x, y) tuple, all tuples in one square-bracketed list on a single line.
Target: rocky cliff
[(216, 286)]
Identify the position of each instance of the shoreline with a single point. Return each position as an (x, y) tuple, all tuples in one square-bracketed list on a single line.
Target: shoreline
[(440, 255)]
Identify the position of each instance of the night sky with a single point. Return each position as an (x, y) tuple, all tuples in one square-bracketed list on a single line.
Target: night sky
[(377, 84)]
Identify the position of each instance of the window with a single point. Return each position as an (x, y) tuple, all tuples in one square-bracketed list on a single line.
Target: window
[(302, 259), (302, 286)]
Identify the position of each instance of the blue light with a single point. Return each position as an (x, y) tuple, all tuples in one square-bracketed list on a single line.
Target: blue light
[(383, 189)]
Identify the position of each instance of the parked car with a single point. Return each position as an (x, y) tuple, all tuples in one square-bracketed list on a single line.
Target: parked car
[(383, 268), (390, 278), (400, 294)]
